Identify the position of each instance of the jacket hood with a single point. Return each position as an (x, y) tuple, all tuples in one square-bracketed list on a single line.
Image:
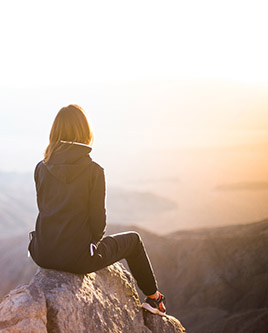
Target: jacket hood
[(68, 161)]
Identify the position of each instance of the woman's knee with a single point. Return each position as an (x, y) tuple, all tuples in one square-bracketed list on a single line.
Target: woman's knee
[(128, 241), (136, 235)]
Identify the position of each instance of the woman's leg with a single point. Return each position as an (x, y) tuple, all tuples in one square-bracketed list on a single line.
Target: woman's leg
[(129, 246)]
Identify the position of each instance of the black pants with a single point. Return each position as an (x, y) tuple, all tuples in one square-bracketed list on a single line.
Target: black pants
[(129, 246)]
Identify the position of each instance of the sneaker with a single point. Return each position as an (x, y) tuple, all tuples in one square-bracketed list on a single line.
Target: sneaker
[(156, 306)]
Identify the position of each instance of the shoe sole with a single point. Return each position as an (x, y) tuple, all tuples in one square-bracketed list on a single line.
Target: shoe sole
[(149, 308)]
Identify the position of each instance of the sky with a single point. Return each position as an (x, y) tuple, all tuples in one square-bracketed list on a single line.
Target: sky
[(59, 42), (149, 73)]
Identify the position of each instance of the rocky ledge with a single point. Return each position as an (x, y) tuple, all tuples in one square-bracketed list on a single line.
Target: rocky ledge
[(104, 301)]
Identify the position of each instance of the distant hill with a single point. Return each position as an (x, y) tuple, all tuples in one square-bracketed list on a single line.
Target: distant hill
[(223, 273), (215, 279), (126, 207), (243, 186), (17, 203)]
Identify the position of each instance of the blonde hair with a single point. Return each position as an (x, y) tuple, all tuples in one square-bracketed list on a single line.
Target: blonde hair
[(70, 124)]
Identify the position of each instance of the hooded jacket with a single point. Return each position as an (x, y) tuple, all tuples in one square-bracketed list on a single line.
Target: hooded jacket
[(70, 190)]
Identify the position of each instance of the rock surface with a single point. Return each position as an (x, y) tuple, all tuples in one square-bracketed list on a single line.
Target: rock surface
[(104, 301)]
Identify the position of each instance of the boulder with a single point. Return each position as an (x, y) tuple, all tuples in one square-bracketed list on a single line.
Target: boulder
[(103, 301)]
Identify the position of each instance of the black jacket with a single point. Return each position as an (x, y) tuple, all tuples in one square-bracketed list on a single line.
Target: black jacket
[(71, 200)]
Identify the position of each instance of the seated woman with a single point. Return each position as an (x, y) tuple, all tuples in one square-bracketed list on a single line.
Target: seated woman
[(70, 227)]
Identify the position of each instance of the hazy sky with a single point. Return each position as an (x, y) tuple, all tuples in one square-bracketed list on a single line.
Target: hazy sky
[(149, 73), (88, 41)]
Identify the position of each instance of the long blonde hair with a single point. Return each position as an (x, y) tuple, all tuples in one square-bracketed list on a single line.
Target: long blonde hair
[(70, 124)]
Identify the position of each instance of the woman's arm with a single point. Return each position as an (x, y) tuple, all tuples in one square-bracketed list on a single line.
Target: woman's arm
[(97, 210)]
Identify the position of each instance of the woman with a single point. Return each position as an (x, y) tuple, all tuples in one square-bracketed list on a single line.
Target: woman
[(70, 226)]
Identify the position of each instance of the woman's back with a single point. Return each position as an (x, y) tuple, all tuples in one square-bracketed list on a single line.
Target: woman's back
[(68, 201)]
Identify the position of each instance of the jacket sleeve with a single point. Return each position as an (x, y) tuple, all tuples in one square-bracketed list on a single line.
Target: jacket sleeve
[(97, 210)]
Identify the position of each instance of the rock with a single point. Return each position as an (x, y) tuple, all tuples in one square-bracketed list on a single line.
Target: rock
[(24, 310), (104, 301)]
